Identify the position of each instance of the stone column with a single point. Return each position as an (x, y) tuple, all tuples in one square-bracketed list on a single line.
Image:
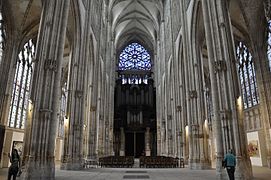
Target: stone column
[(122, 142), (163, 101), (159, 121), (147, 142), (214, 87), (260, 12), (76, 110), (111, 93), (158, 107), (93, 141), (46, 90), (92, 154), (158, 96), (92, 134), (232, 112)]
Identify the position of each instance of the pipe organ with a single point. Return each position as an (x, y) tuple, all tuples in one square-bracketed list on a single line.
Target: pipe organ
[(135, 112)]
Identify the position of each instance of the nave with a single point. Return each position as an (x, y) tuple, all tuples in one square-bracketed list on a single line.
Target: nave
[(260, 173), (180, 79)]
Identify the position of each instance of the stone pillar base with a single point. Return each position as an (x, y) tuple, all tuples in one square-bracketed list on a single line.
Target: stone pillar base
[(243, 169), (34, 170), (71, 166), (269, 162), (223, 175), (122, 153), (199, 165)]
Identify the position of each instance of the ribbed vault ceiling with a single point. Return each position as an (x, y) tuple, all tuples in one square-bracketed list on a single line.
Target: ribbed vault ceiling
[(135, 20)]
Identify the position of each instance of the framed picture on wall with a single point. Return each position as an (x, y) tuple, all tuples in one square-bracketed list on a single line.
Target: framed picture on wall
[(253, 148), (19, 146)]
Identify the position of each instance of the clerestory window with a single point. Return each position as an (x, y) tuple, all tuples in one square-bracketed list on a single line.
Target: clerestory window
[(269, 44), (21, 86), (2, 37), (247, 76)]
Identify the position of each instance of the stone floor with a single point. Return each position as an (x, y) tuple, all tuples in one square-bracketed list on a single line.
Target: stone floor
[(260, 173)]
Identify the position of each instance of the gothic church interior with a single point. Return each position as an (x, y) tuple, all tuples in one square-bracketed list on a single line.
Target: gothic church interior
[(85, 80)]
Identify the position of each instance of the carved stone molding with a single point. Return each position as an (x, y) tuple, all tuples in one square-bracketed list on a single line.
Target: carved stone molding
[(195, 127), (178, 108), (267, 8), (225, 114), (106, 122), (180, 133), (92, 108), (77, 126), (220, 66), (78, 93), (46, 113), (193, 94), (50, 64)]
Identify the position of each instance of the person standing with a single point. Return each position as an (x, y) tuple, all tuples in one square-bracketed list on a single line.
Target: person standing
[(230, 163), (15, 164)]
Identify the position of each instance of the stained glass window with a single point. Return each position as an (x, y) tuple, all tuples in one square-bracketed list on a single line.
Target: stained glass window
[(2, 37), (269, 44), (247, 76), (134, 57), (21, 86)]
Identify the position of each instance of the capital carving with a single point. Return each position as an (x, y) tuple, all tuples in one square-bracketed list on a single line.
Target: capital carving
[(195, 127), (267, 9), (92, 108), (193, 94), (45, 113), (78, 93), (107, 122), (220, 66), (225, 114), (179, 108), (50, 64)]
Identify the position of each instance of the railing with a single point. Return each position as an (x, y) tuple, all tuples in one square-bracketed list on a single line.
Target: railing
[(117, 161), (160, 162)]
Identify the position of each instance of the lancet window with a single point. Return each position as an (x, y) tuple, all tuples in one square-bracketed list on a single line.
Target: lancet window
[(269, 44), (247, 76), (21, 86), (2, 37)]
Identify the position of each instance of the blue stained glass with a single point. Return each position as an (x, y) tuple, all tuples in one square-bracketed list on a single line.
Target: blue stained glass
[(2, 36), (134, 57), (269, 44)]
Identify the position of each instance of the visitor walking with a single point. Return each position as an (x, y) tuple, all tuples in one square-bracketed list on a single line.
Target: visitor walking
[(230, 163), (15, 164)]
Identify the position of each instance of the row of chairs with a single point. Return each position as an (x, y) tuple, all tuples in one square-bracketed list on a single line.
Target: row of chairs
[(116, 161), (160, 162), (90, 163)]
